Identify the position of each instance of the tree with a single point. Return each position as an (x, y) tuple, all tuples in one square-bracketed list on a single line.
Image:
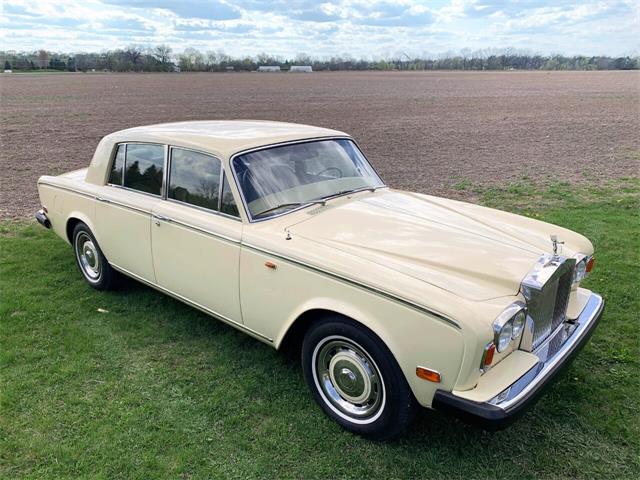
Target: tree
[(7, 65), (133, 53), (43, 59), (162, 53), (191, 60)]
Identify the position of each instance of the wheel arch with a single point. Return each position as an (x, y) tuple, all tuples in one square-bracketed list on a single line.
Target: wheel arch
[(291, 336), (72, 220)]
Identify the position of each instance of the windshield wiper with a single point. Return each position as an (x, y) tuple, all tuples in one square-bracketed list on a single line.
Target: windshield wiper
[(322, 200), (355, 190), (290, 204)]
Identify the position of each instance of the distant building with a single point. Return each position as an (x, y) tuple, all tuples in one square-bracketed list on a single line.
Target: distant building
[(229, 69), (301, 68), (176, 68), (8, 70), (269, 68)]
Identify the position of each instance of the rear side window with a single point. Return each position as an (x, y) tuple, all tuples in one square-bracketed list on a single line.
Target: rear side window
[(144, 168), (115, 177), (194, 178)]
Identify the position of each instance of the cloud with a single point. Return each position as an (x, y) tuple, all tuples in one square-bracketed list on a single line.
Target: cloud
[(209, 9), (125, 24), (325, 27), (17, 9)]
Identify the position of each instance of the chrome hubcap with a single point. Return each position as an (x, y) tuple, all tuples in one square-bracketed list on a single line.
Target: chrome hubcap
[(88, 256), (348, 378)]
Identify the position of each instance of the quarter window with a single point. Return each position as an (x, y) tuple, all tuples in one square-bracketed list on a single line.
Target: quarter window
[(115, 177), (228, 204), (194, 178), (144, 168)]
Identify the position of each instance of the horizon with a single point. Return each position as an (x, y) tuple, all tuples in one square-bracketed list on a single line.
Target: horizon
[(379, 29)]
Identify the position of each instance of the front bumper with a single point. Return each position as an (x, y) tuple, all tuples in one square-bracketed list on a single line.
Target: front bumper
[(504, 408)]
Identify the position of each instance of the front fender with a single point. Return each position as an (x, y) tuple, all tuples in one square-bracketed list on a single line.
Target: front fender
[(414, 338)]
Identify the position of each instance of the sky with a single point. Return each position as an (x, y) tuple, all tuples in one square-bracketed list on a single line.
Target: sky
[(361, 28)]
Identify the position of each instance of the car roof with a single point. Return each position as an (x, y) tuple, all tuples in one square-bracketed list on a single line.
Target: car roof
[(224, 137)]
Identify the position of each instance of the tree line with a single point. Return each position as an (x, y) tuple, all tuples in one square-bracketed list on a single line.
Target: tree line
[(161, 58)]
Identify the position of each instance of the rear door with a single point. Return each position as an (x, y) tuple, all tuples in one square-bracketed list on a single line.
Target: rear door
[(125, 204), (195, 234)]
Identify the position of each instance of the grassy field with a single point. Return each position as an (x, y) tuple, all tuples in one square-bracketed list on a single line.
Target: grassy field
[(133, 384)]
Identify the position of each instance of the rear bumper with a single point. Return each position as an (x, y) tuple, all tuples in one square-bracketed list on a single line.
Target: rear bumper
[(506, 407), (42, 219)]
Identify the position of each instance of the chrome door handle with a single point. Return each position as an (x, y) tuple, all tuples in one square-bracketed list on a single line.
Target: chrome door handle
[(159, 218), (103, 200)]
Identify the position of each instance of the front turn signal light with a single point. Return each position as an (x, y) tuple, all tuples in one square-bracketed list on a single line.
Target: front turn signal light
[(487, 356), (590, 264), (428, 374)]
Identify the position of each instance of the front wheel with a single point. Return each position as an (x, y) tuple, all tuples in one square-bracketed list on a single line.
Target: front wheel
[(355, 379)]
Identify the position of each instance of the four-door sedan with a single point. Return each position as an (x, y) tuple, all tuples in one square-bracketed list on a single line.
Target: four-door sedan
[(286, 232)]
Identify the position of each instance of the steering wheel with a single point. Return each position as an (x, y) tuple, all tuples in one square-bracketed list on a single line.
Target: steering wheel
[(331, 169)]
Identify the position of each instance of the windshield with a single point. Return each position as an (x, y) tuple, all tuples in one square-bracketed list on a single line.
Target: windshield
[(279, 179)]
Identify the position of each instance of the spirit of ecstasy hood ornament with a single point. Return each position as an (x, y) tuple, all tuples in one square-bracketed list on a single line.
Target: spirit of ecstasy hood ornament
[(555, 242)]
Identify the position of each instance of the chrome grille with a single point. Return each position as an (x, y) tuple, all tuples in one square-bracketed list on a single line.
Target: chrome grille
[(547, 291)]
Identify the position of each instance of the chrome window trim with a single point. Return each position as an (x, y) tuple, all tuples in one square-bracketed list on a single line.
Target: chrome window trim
[(356, 283), (165, 173), (204, 210), (124, 169), (282, 144), (133, 190), (167, 178), (223, 176), (114, 154), (220, 188), (177, 296)]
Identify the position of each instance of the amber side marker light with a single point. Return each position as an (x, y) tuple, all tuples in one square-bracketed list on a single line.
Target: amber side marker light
[(428, 374), (489, 351), (590, 264)]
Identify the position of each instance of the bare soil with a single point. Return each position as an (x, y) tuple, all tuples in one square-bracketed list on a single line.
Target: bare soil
[(428, 132)]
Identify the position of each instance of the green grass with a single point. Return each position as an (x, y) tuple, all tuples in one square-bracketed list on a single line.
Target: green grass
[(151, 388)]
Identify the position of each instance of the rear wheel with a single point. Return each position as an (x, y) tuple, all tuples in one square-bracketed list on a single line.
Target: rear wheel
[(91, 261), (355, 379)]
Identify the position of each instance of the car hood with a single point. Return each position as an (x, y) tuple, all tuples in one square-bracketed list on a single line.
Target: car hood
[(474, 252)]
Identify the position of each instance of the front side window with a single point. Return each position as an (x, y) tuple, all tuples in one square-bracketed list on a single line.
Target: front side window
[(194, 178), (278, 179), (144, 168)]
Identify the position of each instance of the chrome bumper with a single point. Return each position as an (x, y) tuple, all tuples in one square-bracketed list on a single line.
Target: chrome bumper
[(553, 354), (42, 219)]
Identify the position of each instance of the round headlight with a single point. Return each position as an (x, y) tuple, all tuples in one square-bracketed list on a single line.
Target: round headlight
[(504, 338), (518, 324), (580, 271)]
